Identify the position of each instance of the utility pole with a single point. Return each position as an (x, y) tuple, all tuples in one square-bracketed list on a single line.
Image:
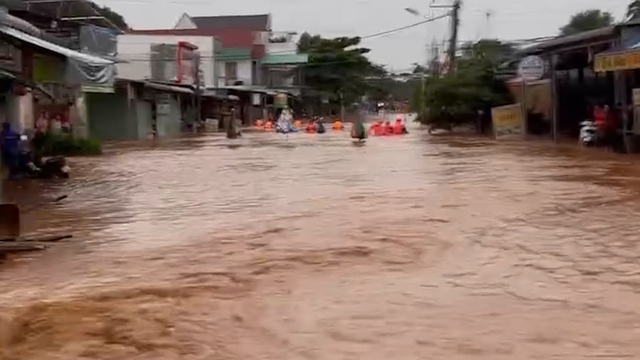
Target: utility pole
[(453, 42), (455, 24), (198, 97)]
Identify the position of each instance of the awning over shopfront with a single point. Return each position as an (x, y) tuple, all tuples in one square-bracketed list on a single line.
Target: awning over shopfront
[(168, 88), (624, 56), (81, 68), (285, 59)]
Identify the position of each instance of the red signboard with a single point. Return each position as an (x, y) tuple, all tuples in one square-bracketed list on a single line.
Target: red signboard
[(186, 61)]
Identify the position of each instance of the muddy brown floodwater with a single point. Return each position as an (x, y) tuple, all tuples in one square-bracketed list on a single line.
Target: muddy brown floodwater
[(309, 247)]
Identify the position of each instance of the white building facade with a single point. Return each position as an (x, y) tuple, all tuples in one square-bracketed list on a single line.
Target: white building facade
[(135, 50)]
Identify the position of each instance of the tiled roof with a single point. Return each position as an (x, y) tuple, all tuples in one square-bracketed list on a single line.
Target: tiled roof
[(244, 22)]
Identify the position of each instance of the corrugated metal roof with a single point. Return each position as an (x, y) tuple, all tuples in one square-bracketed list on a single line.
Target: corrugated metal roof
[(630, 44), (78, 10), (244, 22), (285, 59), (168, 88), (561, 41), (86, 58)]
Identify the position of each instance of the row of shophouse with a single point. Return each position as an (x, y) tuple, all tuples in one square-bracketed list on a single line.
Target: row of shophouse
[(594, 68), (62, 59)]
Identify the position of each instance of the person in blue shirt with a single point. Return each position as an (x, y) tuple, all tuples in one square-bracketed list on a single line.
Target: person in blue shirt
[(9, 147)]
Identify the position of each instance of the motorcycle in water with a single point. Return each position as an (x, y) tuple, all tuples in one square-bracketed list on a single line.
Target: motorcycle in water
[(320, 128), (34, 167), (588, 133)]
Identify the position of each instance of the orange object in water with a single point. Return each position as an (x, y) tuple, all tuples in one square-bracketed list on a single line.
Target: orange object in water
[(338, 125), (268, 125), (297, 124), (311, 127), (398, 127), (387, 128), (376, 129), (259, 123)]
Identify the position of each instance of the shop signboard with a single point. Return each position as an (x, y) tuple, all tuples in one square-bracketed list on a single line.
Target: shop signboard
[(531, 68), (187, 66), (616, 62), (101, 89), (280, 100), (508, 121), (256, 99), (163, 104)]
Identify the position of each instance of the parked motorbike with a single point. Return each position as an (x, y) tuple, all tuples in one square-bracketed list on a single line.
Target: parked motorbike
[(34, 167), (588, 133)]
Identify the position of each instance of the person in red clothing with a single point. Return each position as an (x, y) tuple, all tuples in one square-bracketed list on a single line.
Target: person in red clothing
[(376, 128), (599, 116), (399, 128), (311, 126), (606, 123), (387, 128)]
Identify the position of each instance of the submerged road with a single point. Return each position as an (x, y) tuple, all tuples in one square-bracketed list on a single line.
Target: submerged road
[(310, 247)]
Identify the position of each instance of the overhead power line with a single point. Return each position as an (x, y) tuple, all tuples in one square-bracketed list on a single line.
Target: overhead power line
[(388, 32)]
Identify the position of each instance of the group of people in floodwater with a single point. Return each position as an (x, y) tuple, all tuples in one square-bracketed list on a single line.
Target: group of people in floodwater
[(285, 124), (380, 128)]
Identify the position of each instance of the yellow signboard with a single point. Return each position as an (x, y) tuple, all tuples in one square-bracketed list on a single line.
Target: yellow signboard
[(615, 62), (508, 121)]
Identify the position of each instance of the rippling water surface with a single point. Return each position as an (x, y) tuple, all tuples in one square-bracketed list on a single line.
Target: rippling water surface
[(310, 247)]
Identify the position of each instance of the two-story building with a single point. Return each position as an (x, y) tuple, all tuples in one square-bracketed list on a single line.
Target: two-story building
[(46, 70), (254, 62)]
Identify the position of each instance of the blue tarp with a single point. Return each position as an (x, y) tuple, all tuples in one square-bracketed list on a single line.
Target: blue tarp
[(630, 44)]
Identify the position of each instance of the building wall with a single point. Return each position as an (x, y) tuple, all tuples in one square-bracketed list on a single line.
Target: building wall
[(143, 116), (281, 48), (289, 46), (168, 118), (243, 73), (136, 50)]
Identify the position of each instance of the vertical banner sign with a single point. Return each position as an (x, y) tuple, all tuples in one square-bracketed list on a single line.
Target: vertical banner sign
[(186, 63), (508, 121)]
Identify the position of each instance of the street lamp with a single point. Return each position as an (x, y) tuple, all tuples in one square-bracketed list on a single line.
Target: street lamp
[(413, 11)]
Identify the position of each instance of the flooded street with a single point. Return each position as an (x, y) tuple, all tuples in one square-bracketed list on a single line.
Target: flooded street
[(310, 247)]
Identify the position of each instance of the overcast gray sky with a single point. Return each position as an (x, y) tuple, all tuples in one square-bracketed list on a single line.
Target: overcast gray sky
[(509, 19)]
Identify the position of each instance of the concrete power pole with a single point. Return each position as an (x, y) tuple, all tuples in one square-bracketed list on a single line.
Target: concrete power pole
[(453, 41), (455, 24)]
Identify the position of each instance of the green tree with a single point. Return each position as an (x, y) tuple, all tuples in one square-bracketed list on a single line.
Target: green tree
[(338, 68), (633, 10), (587, 20), (115, 18), (456, 97)]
